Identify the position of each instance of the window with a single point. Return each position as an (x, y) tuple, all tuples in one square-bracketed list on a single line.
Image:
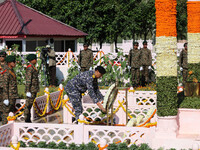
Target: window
[(70, 44), (59, 46), (30, 46), (10, 43), (42, 43)]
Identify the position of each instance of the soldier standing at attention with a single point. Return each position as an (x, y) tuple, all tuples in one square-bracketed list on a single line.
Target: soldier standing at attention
[(32, 85), (3, 66), (10, 93), (184, 63), (85, 59), (85, 81), (134, 63), (146, 61), (52, 66)]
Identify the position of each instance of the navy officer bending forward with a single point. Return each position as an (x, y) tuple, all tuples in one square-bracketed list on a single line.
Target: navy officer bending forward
[(85, 81)]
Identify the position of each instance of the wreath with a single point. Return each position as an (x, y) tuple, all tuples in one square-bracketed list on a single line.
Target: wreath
[(110, 96)]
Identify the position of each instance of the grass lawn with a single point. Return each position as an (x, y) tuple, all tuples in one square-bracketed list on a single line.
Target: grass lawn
[(21, 91)]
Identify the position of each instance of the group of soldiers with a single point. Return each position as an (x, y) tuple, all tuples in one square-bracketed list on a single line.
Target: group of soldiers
[(8, 85), (139, 60)]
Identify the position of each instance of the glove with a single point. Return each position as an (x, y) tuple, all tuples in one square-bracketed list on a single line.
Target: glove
[(28, 94), (90, 68), (6, 102), (79, 68), (129, 67), (149, 67), (141, 68), (181, 69)]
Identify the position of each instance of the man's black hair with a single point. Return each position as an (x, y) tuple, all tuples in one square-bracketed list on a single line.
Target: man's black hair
[(185, 44), (100, 69), (145, 42)]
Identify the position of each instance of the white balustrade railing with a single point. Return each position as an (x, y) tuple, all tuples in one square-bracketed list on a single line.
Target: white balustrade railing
[(70, 133), (41, 103), (6, 133), (139, 103)]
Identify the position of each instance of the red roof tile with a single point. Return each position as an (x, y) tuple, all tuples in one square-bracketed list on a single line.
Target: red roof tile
[(14, 14)]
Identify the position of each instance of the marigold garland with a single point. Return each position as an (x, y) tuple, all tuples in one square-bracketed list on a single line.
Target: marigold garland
[(193, 11), (165, 18)]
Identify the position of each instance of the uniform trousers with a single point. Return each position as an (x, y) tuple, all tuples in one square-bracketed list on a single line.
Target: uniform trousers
[(52, 75), (135, 74), (145, 73), (28, 105), (7, 110), (75, 99), (185, 74)]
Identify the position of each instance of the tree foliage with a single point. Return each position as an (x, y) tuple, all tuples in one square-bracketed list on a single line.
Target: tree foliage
[(109, 20)]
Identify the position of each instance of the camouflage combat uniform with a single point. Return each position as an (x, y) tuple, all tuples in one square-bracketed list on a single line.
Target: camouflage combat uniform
[(78, 85), (134, 59), (183, 62), (32, 86), (85, 59), (3, 66), (146, 61), (9, 92)]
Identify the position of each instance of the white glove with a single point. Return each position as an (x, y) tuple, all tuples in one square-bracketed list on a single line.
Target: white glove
[(28, 94), (90, 68), (141, 68), (149, 67), (129, 67), (79, 68), (6, 102), (181, 69)]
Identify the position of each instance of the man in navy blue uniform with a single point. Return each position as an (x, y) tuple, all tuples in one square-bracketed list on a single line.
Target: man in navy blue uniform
[(85, 81)]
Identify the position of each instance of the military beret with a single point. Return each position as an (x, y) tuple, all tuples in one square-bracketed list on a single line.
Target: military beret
[(86, 44), (10, 58), (100, 69), (31, 57), (2, 53), (135, 43), (145, 42)]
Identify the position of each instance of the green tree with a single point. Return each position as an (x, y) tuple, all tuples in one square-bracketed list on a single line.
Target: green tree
[(181, 22)]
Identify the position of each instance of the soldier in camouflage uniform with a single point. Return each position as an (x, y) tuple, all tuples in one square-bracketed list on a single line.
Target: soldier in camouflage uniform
[(85, 59), (85, 81), (3, 66), (10, 93), (184, 63), (146, 61), (134, 63), (32, 85)]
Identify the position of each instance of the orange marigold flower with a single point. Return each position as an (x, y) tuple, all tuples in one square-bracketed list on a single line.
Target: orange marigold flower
[(195, 80), (190, 72)]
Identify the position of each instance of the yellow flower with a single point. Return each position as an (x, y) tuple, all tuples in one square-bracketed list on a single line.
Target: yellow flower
[(93, 76)]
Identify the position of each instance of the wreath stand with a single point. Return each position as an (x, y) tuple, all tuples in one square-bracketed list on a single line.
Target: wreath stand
[(111, 100)]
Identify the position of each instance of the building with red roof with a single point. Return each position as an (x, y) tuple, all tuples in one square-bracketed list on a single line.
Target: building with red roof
[(29, 28)]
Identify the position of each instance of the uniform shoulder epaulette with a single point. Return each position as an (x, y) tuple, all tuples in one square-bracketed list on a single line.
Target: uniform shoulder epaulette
[(3, 72), (12, 74), (29, 66)]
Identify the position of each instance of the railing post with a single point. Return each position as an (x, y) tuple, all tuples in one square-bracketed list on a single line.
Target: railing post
[(66, 114), (49, 103), (102, 144), (14, 141), (11, 116), (79, 134)]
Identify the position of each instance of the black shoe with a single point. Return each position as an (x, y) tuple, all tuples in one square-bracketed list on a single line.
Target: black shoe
[(28, 121)]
